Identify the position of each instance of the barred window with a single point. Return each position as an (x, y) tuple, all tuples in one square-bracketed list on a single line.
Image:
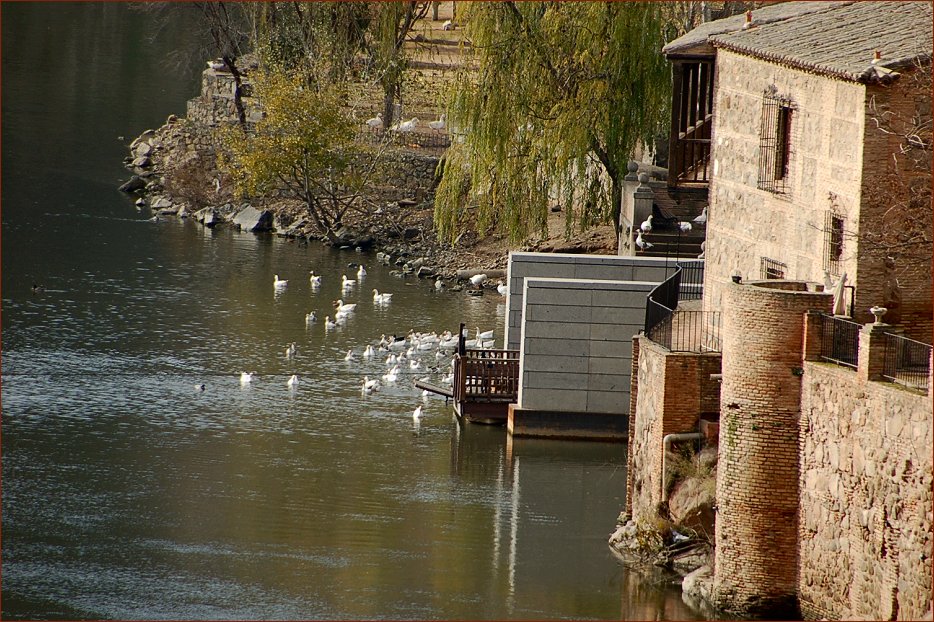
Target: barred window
[(775, 146), (833, 242), (771, 269)]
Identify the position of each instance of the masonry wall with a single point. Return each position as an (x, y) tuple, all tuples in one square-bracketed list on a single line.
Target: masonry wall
[(893, 275), (673, 390), (575, 349), (755, 570), (866, 509), (745, 223), (570, 266)]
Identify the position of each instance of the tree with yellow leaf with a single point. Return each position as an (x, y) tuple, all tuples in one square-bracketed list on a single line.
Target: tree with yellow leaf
[(304, 144)]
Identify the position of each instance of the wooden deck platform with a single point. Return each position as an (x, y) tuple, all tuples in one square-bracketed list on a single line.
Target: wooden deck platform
[(486, 382), (447, 392)]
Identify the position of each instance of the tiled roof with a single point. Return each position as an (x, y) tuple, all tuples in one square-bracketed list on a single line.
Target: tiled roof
[(841, 41), (765, 15)]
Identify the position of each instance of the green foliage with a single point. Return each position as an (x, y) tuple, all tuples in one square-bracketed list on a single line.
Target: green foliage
[(304, 145), (553, 102)]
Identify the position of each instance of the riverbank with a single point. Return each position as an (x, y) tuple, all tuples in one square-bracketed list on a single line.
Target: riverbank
[(174, 175)]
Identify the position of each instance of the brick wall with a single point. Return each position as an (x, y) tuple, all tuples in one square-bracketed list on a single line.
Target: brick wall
[(757, 476), (672, 390), (866, 509), (902, 284)]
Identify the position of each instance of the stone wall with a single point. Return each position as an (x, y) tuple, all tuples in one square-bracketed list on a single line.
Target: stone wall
[(570, 266), (834, 160), (672, 390), (866, 510), (745, 223), (755, 571), (575, 348)]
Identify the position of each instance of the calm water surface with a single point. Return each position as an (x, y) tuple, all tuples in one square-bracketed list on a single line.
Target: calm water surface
[(128, 494)]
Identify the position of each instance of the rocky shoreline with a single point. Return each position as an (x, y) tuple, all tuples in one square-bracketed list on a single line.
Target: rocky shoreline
[(174, 175)]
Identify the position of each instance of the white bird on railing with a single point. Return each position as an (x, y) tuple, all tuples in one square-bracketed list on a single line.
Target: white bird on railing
[(646, 225), (642, 244), (278, 283), (437, 125), (382, 299), (477, 280), (376, 122), (702, 219), (684, 226)]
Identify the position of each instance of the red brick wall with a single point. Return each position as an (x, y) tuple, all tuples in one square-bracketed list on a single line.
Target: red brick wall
[(902, 284), (757, 477)]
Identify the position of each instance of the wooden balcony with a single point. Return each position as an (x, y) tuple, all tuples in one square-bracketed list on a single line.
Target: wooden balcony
[(486, 382)]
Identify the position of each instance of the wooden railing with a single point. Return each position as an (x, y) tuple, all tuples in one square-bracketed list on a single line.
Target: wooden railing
[(486, 375)]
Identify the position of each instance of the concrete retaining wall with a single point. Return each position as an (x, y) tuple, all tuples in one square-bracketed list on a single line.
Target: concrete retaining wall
[(569, 266), (575, 350)]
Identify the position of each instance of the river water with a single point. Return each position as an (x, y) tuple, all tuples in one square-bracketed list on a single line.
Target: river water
[(129, 494)]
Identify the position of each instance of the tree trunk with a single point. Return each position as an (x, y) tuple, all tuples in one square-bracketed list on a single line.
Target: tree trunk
[(238, 88)]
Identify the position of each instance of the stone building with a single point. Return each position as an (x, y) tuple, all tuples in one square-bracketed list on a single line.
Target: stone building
[(804, 177), (787, 117)]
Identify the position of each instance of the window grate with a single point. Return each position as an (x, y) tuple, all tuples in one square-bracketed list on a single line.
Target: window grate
[(771, 269), (833, 242), (775, 142)]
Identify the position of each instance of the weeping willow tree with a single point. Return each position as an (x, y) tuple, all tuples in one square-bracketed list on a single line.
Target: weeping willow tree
[(555, 99)]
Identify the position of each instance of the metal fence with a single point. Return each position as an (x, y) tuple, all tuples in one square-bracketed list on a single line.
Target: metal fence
[(839, 341), (688, 331), (906, 361)]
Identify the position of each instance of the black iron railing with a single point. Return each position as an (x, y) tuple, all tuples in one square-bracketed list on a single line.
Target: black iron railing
[(688, 331), (662, 301), (839, 341), (906, 361)]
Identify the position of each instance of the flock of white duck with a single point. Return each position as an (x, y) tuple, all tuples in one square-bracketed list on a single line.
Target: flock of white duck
[(416, 355), (646, 227)]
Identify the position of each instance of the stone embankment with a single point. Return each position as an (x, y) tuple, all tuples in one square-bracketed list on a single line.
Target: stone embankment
[(174, 174)]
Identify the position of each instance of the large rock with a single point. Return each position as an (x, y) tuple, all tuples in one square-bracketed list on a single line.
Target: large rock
[(207, 217), (251, 219), (692, 502), (134, 184)]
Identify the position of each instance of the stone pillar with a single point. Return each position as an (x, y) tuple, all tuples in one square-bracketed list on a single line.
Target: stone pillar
[(812, 335), (625, 246), (871, 355), (755, 571)]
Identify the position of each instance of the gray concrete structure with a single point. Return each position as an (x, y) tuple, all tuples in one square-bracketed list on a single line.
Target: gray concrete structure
[(575, 345), (590, 268)]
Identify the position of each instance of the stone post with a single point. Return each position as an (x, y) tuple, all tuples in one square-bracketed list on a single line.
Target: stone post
[(812, 335), (871, 355), (625, 247), (642, 200)]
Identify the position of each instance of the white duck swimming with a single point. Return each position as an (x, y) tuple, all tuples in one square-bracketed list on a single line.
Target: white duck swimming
[(278, 283), (381, 298)]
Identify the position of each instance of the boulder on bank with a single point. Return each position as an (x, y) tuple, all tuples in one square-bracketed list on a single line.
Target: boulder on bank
[(251, 219), (134, 184), (207, 217)]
